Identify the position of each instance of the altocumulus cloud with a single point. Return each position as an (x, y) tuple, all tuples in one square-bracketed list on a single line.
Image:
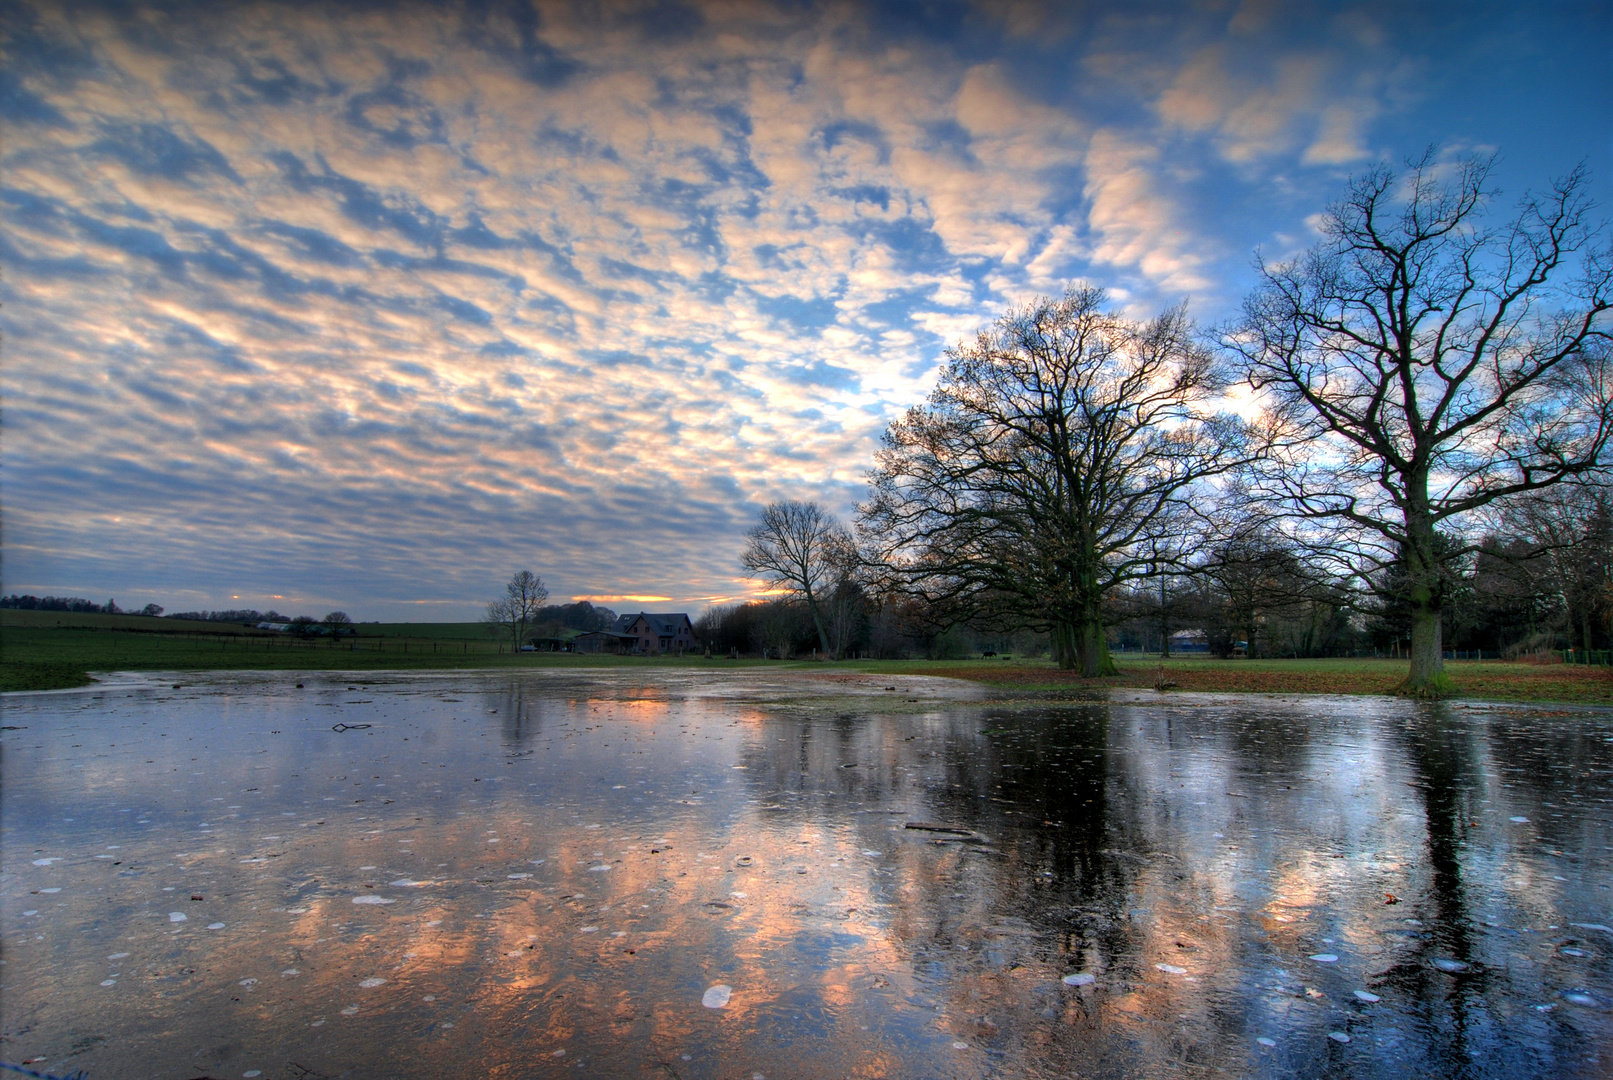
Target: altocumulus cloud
[(372, 305)]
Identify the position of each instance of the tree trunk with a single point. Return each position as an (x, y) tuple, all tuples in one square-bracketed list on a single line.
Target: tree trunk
[(1164, 625), (1063, 638), (1427, 678), (1092, 648), (817, 622)]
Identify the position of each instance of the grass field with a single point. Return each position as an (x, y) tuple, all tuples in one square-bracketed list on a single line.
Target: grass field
[(1489, 680), (38, 654)]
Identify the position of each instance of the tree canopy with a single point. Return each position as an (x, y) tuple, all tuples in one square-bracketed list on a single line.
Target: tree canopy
[(1060, 454)]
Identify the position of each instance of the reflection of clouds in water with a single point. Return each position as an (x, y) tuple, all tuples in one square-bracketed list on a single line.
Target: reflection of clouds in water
[(1220, 862)]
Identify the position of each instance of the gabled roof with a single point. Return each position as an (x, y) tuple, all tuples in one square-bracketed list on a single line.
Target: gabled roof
[(664, 625)]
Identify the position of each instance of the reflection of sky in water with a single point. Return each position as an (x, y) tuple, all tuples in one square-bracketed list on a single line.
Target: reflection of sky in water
[(545, 873)]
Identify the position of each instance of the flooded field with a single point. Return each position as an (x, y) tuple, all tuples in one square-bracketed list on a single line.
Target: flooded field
[(640, 874)]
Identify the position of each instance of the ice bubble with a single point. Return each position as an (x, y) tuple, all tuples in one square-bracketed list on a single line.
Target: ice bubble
[(1080, 978), (252, 1072), (589, 930), (35, 911), (408, 883), (740, 895), (372, 983), (109, 982), (874, 854), (291, 973), (1592, 926), (176, 916), (960, 1046), (1579, 997), (351, 1010), (118, 956), (215, 926), (1171, 969), (1519, 820), (373, 900), (1370, 999), (47, 862), (368, 868), (248, 983), (600, 869), (1263, 1041), (55, 890), (717, 996), (558, 1053), (1451, 967), (519, 877), (1338, 1036), (1574, 952), (1325, 958)]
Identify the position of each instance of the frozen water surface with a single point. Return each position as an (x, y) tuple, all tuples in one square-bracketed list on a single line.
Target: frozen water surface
[(1241, 886)]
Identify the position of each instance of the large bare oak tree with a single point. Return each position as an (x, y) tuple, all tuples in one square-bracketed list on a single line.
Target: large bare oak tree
[(1058, 457), (1430, 363)]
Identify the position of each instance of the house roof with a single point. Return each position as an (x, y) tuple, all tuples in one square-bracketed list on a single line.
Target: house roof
[(664, 625)]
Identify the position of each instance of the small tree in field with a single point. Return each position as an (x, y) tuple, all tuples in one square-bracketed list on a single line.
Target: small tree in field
[(1431, 363), (338, 623), (516, 611), (801, 548)]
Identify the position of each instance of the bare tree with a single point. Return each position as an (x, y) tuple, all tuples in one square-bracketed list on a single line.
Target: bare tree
[(517, 610), (1057, 460), (798, 546), (1569, 532), (1432, 364), (338, 623)]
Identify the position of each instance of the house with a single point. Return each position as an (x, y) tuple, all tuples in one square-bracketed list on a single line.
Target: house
[(672, 633), (604, 641), (1190, 641)]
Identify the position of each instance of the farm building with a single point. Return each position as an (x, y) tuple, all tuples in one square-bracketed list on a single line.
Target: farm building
[(672, 633)]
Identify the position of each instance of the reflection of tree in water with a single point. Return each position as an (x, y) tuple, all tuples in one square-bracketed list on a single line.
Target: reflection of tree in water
[(520, 712), (1090, 862), (1544, 764), (1049, 878), (1447, 762)]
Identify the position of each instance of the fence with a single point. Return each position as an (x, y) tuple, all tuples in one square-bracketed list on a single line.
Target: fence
[(348, 643), (1594, 657)]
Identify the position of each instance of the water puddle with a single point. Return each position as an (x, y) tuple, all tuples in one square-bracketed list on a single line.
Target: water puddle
[(769, 874)]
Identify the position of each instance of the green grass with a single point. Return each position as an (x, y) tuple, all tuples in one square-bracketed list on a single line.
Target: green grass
[(37, 654), (35, 657), (1489, 680)]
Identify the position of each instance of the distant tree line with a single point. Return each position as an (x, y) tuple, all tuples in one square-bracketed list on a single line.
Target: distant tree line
[(240, 615), (73, 604)]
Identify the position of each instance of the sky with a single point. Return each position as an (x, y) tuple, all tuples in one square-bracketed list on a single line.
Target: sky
[(368, 306)]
